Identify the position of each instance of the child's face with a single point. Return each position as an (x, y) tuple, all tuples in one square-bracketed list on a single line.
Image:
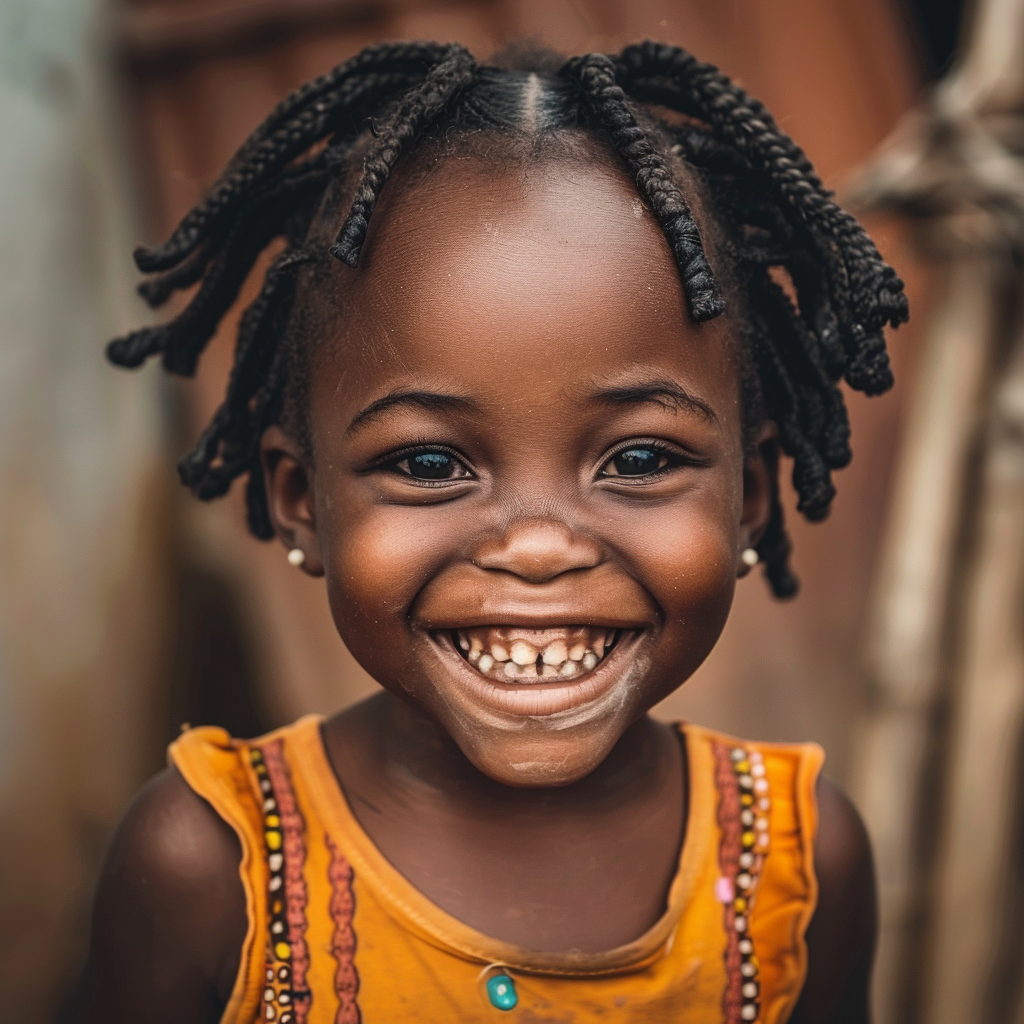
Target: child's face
[(529, 494)]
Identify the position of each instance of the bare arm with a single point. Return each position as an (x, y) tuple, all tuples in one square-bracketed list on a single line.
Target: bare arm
[(842, 934), (169, 919)]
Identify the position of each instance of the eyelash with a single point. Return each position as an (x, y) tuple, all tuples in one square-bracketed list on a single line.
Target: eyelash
[(674, 458), (391, 462)]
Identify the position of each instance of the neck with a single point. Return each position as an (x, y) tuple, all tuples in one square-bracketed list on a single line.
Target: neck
[(585, 866)]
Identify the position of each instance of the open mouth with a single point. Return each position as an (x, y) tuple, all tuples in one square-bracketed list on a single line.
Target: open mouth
[(512, 654)]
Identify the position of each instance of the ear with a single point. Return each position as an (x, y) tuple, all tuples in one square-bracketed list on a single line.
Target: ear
[(289, 483), (760, 482)]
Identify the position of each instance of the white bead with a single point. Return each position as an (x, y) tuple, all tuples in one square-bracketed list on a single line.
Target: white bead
[(750, 557), (296, 557)]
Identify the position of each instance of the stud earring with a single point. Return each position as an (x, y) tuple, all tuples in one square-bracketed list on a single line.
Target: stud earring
[(749, 557), (296, 557)]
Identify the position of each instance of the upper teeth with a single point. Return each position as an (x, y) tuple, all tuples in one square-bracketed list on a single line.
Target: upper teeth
[(537, 655), (523, 654)]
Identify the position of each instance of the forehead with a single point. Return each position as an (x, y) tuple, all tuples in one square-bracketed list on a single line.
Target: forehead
[(474, 269)]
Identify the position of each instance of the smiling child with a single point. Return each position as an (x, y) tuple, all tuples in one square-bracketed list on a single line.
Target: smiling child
[(531, 345)]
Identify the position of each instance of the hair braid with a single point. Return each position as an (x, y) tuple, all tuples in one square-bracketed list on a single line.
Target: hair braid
[(596, 76), (354, 94), (182, 339), (412, 58), (775, 549), (746, 124), (228, 446), (418, 110), (158, 290)]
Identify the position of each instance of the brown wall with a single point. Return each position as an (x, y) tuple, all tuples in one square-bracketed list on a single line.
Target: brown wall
[(837, 73)]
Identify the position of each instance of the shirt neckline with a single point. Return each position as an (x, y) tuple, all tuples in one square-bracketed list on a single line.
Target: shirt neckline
[(418, 914)]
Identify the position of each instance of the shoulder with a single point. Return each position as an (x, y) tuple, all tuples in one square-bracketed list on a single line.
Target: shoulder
[(170, 917), (841, 936), (171, 835)]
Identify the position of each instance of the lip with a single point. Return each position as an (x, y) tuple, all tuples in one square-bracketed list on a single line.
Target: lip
[(536, 700)]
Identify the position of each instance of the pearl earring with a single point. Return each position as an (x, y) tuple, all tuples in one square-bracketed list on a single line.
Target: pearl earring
[(296, 557), (750, 557)]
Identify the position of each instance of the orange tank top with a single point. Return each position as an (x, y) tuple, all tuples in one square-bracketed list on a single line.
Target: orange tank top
[(337, 936)]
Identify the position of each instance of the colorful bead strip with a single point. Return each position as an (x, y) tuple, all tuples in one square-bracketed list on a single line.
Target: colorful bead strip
[(743, 809), (286, 998), (343, 942)]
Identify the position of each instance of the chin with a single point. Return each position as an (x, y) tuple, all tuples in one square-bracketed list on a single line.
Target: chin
[(542, 762)]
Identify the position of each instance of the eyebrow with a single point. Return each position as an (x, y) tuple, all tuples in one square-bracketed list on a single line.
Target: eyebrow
[(431, 400), (665, 393)]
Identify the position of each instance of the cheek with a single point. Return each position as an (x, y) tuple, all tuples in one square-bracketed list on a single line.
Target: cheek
[(685, 556), (690, 565), (376, 560)]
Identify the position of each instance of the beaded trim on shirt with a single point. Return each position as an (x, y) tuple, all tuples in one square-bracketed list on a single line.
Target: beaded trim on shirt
[(286, 998), (743, 809)]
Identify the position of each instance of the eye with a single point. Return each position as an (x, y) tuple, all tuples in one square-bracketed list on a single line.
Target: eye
[(432, 464), (641, 460)]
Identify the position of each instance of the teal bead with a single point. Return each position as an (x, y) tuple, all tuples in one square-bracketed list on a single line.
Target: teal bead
[(501, 991)]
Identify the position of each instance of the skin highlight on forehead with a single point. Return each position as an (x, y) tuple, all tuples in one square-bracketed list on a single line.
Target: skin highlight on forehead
[(530, 254)]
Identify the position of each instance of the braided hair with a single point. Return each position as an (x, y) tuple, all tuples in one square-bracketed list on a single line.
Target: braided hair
[(813, 292)]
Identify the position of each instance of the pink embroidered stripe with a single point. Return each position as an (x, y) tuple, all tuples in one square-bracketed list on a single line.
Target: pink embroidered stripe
[(343, 943), (728, 862)]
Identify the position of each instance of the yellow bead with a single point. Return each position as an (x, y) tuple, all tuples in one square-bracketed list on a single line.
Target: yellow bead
[(274, 840), (746, 799), (748, 838), (273, 821), (743, 766), (740, 904), (283, 951)]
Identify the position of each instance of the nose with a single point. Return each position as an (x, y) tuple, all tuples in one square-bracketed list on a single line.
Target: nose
[(538, 551)]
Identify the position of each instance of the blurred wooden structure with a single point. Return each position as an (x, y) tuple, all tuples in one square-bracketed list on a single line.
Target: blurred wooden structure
[(944, 742)]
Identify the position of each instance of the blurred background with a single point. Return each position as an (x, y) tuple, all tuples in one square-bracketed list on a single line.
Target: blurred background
[(127, 609)]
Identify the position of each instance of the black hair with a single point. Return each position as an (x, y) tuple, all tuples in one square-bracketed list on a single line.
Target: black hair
[(814, 292)]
